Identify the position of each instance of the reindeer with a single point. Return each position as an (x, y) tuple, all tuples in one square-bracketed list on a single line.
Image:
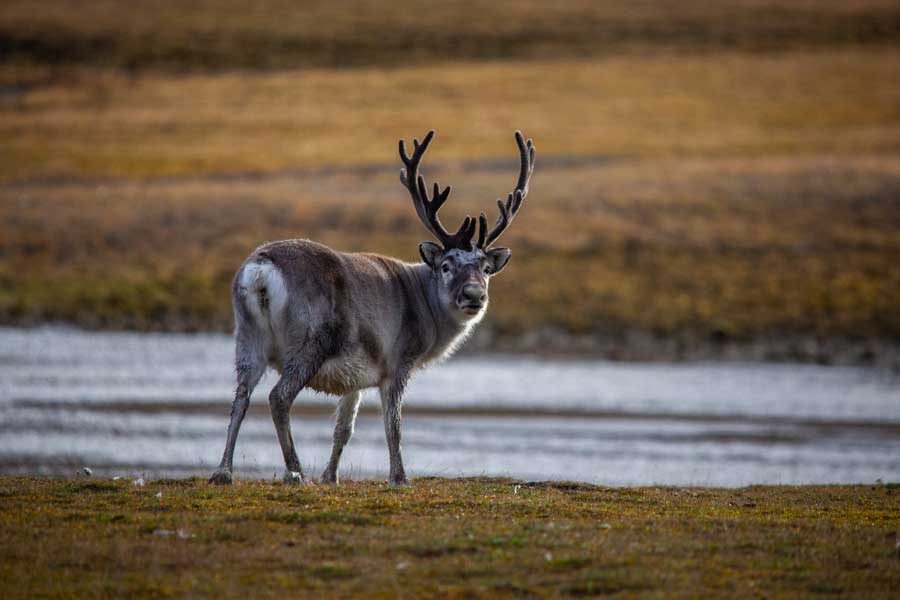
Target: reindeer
[(340, 323)]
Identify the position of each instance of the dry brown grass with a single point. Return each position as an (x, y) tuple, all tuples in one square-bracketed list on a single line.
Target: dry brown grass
[(731, 248), (730, 105), (227, 34), (686, 187)]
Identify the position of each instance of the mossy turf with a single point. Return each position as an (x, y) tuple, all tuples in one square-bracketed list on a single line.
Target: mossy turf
[(475, 537)]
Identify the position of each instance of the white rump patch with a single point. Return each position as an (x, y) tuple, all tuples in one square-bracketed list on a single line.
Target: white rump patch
[(263, 283)]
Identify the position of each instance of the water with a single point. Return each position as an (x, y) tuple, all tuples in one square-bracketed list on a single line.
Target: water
[(126, 404)]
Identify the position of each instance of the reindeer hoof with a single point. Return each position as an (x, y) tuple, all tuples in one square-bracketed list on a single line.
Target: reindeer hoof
[(221, 477), (293, 478), (400, 482), (330, 477)]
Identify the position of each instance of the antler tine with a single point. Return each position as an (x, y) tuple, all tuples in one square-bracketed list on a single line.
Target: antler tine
[(409, 174), (509, 210), (431, 207), (503, 221), (418, 150), (463, 236), (482, 230), (526, 162), (426, 208)]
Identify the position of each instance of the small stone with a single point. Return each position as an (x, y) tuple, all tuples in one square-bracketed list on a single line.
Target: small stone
[(179, 533), (292, 478)]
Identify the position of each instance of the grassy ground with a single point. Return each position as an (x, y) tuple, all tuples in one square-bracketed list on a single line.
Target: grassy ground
[(727, 248), (444, 538), (278, 34), (825, 103), (705, 173)]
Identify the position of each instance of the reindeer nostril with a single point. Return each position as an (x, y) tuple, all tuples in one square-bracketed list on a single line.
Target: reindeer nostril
[(473, 293)]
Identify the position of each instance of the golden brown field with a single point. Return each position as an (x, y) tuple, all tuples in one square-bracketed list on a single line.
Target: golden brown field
[(821, 103), (723, 175), (279, 34)]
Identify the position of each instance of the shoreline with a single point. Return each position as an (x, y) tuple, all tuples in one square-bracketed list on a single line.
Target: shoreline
[(627, 346), (642, 346), (326, 409)]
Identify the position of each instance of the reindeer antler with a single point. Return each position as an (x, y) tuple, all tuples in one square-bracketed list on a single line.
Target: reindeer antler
[(426, 208), (509, 210)]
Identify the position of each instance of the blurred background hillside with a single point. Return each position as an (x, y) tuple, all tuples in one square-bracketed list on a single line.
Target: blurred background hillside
[(712, 177)]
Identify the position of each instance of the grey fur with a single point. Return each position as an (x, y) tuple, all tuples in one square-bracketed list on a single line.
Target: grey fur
[(345, 422), (339, 323)]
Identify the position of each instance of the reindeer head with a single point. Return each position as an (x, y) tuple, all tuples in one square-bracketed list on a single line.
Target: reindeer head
[(461, 267)]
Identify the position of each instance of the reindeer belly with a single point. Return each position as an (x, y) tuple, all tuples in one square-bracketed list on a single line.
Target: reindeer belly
[(345, 374)]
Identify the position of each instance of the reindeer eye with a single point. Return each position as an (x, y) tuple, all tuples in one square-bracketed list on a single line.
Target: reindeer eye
[(488, 270), (445, 268)]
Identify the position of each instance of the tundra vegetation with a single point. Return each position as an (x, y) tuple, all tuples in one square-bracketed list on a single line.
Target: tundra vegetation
[(724, 173), (479, 537)]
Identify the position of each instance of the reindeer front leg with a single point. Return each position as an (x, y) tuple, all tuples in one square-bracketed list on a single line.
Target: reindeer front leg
[(345, 420), (391, 399)]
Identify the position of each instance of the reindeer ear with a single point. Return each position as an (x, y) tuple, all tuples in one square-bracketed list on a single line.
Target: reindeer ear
[(498, 257), (431, 253)]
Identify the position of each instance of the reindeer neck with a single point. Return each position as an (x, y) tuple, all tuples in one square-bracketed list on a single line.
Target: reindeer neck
[(446, 332)]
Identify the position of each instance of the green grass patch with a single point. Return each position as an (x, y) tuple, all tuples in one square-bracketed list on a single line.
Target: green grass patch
[(304, 519), (448, 537)]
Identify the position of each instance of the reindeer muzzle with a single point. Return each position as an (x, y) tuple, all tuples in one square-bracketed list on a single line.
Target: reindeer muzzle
[(471, 297)]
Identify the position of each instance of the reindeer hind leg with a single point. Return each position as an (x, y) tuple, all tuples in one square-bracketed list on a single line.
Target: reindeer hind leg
[(299, 367), (250, 364)]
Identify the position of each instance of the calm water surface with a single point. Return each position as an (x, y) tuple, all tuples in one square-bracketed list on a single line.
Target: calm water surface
[(126, 404)]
